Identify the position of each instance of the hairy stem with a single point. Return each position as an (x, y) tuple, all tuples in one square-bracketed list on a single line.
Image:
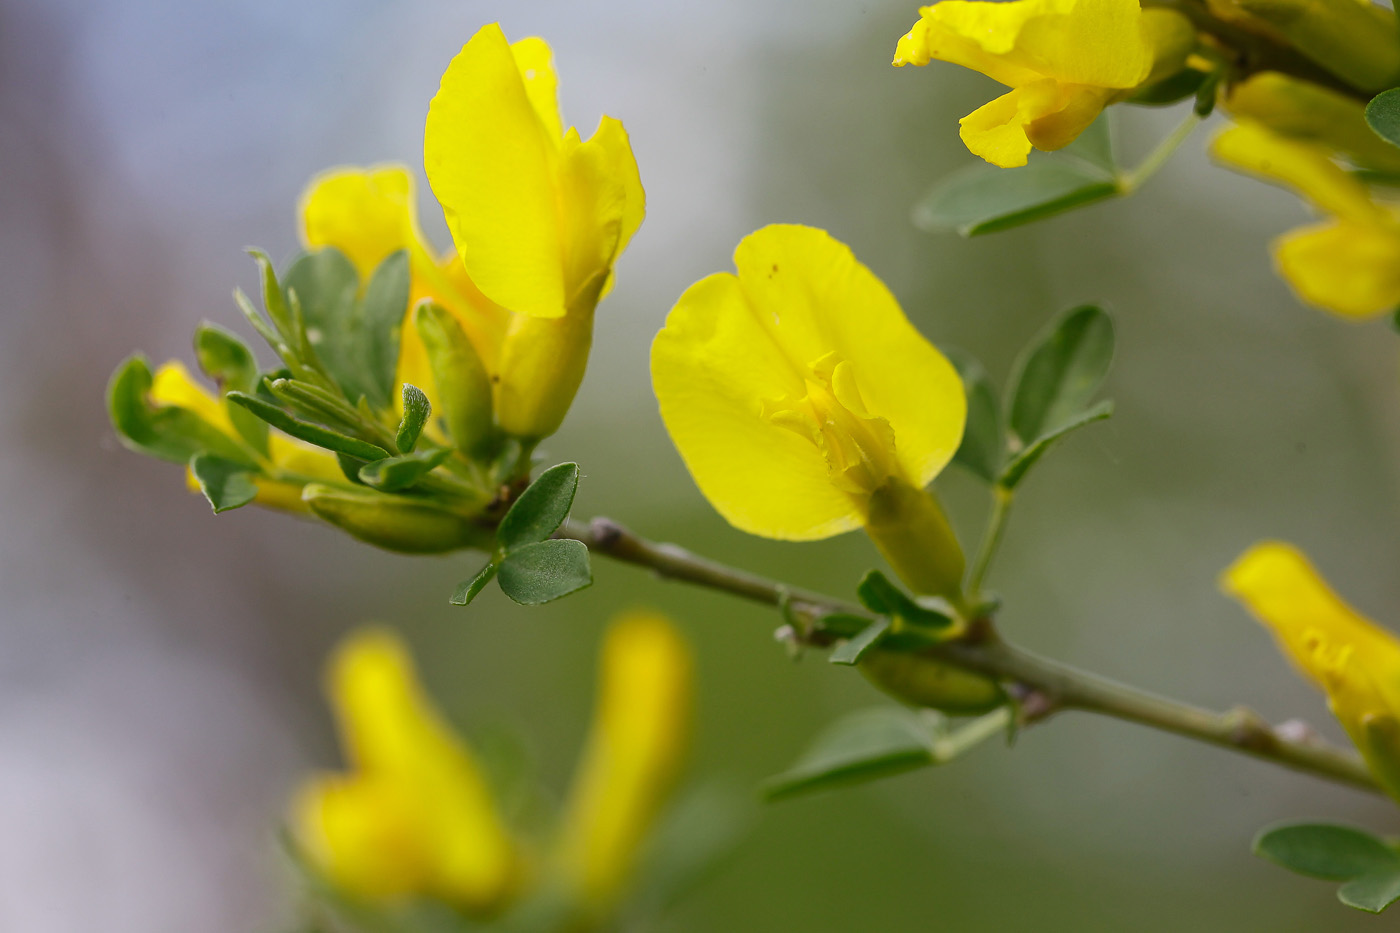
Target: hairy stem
[(1043, 686)]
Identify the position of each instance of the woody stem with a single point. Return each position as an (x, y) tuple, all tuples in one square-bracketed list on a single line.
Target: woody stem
[(1043, 686)]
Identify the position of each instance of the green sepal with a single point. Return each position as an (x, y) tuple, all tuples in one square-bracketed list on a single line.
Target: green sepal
[(537, 573), (1383, 115), (1060, 372), (540, 509), (311, 433), (1016, 470), (985, 199), (841, 624), (165, 431), (404, 524), (983, 444), (1207, 93), (225, 483), (229, 362), (416, 411), (395, 473), (1170, 90), (850, 651), (468, 590)]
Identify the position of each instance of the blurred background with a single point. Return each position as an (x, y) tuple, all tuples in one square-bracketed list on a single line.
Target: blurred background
[(159, 666)]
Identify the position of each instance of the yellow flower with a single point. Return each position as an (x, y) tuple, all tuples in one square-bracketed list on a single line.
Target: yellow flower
[(414, 816), (538, 217), (804, 402), (1350, 658), (1308, 112), (172, 384), (1064, 60), (633, 756), (1349, 265)]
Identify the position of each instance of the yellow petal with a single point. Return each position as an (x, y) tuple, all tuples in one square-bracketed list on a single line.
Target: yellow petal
[(366, 213), (361, 833), (492, 164), (1094, 42), (392, 733), (1353, 660), (1076, 107), (172, 384), (605, 204), (1310, 112), (535, 60), (1305, 168), (1347, 268), (639, 735), (1045, 114), (736, 347)]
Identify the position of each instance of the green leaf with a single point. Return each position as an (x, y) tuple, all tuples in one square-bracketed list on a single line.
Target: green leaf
[(226, 484), (1016, 470), (378, 324), (227, 360), (984, 199), (165, 431), (1207, 93), (416, 411), (1372, 893), (850, 650), (862, 746), (274, 300), (540, 509), (1095, 145), (392, 474), (461, 383), (545, 570), (1327, 851), (1383, 115), (879, 595), (842, 624), (984, 442), (696, 835), (468, 590), (327, 287), (311, 433), (1060, 372)]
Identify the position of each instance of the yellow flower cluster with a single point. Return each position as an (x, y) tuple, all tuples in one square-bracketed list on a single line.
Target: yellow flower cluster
[(414, 816)]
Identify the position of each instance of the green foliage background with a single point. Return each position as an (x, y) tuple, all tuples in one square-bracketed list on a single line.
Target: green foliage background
[(158, 665)]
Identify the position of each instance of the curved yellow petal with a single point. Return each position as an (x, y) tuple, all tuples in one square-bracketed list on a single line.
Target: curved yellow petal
[(362, 834), (1353, 660), (392, 734), (751, 369), (1349, 269), (607, 201), (640, 731), (535, 60), (172, 384), (493, 164), (1305, 168), (366, 213)]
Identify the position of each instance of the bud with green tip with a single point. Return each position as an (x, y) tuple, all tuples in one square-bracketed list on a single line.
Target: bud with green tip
[(396, 523)]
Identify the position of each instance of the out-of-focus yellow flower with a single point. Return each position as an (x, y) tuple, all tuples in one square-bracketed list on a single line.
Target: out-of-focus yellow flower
[(172, 384), (1064, 60), (639, 736), (414, 817), (538, 216), (805, 404), (1309, 112), (1349, 265), (1350, 658)]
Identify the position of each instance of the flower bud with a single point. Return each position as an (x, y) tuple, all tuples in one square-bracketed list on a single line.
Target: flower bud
[(396, 523), (922, 681), (1306, 111), (542, 365), (462, 385), (912, 533), (1172, 38)]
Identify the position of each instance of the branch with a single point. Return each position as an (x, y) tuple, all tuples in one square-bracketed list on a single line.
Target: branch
[(1043, 686)]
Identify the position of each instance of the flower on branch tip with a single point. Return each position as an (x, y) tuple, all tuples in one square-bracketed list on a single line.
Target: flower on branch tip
[(1064, 60), (1355, 662), (173, 385), (796, 389), (414, 817), (1350, 264)]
